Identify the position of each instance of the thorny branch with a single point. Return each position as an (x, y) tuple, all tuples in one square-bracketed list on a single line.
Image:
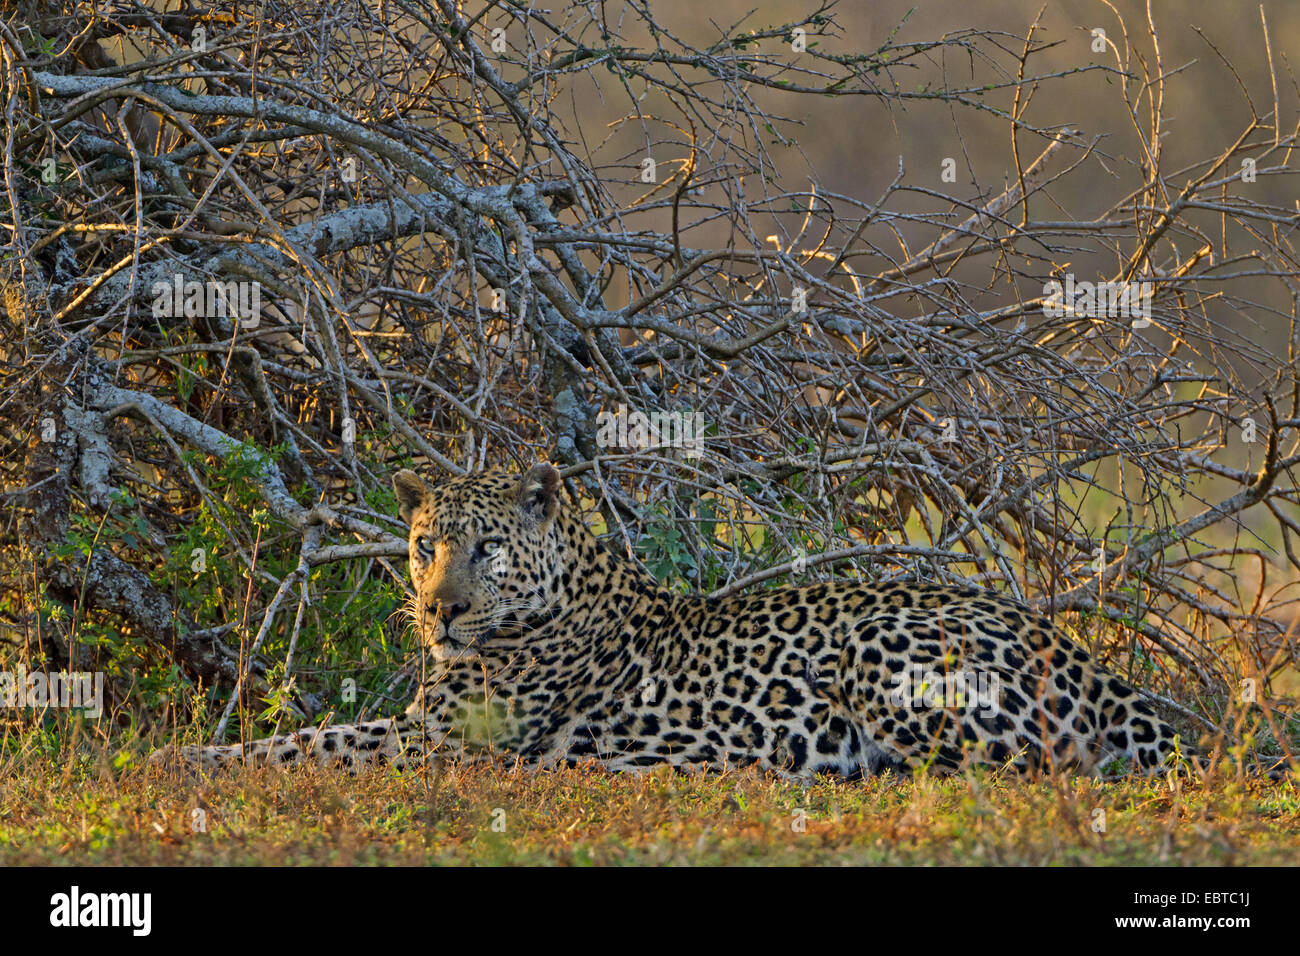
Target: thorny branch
[(457, 271)]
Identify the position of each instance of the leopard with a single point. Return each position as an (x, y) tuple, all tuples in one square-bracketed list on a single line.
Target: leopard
[(541, 644)]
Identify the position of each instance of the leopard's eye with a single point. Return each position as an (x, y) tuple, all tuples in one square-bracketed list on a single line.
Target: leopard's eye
[(486, 548), (426, 547)]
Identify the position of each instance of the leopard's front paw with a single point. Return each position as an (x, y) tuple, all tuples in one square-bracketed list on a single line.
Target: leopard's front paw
[(188, 759)]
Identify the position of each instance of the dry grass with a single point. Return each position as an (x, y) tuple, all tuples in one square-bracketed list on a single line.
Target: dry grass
[(92, 814)]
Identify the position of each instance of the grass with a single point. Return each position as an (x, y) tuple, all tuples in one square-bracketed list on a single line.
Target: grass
[(53, 812)]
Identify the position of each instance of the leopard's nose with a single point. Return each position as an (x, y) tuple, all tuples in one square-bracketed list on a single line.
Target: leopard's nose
[(449, 611)]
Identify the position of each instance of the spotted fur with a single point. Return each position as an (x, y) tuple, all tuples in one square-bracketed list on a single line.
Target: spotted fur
[(545, 646)]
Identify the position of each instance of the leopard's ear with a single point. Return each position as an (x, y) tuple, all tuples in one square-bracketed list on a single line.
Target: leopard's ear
[(539, 492), (410, 493)]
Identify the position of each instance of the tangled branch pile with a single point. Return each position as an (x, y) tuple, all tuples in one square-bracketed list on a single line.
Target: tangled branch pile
[(462, 238)]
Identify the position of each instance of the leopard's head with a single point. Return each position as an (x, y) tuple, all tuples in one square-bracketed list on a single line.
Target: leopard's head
[(484, 555)]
